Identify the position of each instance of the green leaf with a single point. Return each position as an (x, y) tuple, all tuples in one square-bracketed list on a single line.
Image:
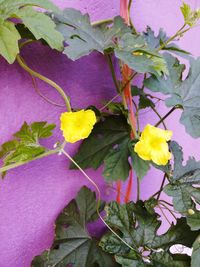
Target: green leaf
[(183, 188), (167, 85), (72, 243), (191, 17), (9, 38), (9, 7), (196, 253), (41, 26), (152, 40), (107, 133), (133, 50), (140, 166), (116, 165), (138, 227), (82, 38), (26, 144), (183, 93)]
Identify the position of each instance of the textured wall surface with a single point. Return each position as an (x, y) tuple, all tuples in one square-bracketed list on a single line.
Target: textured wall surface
[(32, 196)]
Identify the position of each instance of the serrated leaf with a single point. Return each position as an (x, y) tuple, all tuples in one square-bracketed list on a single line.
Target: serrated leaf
[(82, 38), (110, 131), (168, 84), (72, 243), (41, 26), (196, 253), (8, 7), (183, 93), (138, 227), (152, 40), (25, 146), (9, 38), (133, 50), (183, 188), (116, 165)]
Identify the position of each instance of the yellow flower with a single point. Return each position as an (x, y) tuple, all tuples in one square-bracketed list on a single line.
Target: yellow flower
[(77, 125), (153, 145)]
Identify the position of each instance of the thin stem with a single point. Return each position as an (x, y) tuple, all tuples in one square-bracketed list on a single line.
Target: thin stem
[(129, 14), (100, 22), (159, 116), (109, 102), (164, 215), (166, 115), (170, 211), (138, 189), (17, 164), (110, 63), (166, 202), (128, 81), (178, 33), (45, 79), (161, 187), (98, 198)]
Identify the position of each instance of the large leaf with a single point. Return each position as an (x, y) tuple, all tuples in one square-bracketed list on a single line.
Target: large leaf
[(25, 146), (82, 38), (116, 165), (183, 188), (72, 243), (9, 38), (196, 253), (106, 134), (138, 227), (8, 7), (184, 93), (41, 26), (134, 51)]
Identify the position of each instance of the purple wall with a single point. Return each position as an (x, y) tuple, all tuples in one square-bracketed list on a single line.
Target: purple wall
[(33, 195)]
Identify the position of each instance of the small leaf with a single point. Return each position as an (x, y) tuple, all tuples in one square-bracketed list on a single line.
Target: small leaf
[(41, 26), (116, 165), (191, 17), (26, 144), (140, 166), (9, 38)]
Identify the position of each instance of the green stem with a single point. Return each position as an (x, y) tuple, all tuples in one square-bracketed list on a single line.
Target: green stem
[(110, 63), (166, 115), (129, 14), (45, 79), (100, 22), (161, 187), (138, 189), (109, 102), (178, 33), (159, 116), (17, 164)]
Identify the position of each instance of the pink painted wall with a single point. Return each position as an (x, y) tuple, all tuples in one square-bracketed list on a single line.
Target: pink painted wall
[(33, 195)]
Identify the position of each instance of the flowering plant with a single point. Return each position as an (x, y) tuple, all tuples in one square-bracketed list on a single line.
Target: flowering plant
[(113, 138)]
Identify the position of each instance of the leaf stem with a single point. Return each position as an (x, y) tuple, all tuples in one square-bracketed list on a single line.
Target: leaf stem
[(159, 116), (178, 33), (138, 188), (166, 115), (110, 63), (162, 186), (17, 164), (45, 79)]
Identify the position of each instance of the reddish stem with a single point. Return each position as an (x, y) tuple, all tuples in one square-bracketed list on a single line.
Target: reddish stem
[(129, 187), (118, 199)]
